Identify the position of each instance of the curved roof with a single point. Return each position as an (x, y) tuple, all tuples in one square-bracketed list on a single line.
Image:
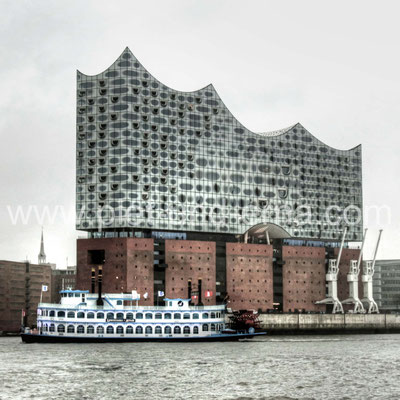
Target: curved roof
[(210, 87), (274, 231)]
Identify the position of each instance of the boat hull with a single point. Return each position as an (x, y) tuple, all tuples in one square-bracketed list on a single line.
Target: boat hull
[(34, 338)]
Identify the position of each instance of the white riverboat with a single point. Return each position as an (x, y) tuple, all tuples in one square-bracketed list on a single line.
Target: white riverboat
[(85, 317)]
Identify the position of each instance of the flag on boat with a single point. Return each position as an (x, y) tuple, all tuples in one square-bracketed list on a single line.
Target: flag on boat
[(146, 295), (160, 293), (45, 288)]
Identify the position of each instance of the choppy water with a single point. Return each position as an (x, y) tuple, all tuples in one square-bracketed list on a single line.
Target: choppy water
[(312, 367)]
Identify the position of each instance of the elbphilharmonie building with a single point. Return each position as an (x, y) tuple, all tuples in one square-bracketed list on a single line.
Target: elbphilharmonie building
[(151, 157)]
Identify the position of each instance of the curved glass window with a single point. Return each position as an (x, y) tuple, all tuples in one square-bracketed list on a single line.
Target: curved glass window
[(186, 330), (51, 328), (139, 315), (61, 314), (80, 314), (205, 315), (90, 329), (110, 329), (213, 315), (212, 327), (61, 328), (120, 329), (90, 315), (205, 328), (177, 329), (129, 329), (139, 330), (158, 330), (80, 329), (120, 315), (167, 316), (129, 315), (71, 329), (186, 316), (110, 315), (71, 314), (195, 329), (149, 330), (100, 315), (149, 316), (167, 330), (100, 330), (195, 316), (177, 316), (52, 313), (158, 316)]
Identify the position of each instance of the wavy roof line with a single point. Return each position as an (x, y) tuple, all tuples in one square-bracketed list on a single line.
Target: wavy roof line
[(210, 86)]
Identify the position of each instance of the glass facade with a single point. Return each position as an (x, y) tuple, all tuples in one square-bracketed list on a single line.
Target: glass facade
[(150, 157)]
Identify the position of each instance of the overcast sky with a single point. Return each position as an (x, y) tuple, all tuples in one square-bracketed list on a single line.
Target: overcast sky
[(333, 66)]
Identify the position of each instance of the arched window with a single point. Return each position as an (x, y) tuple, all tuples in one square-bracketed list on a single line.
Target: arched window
[(71, 314), (149, 316), (110, 315), (90, 315), (61, 314), (100, 315), (52, 313), (167, 330), (81, 314), (52, 328), (205, 315), (213, 315), (120, 315), (177, 329), (129, 329), (195, 316), (205, 327), (71, 329), (186, 316), (100, 330), (186, 330), (158, 330), (139, 315), (61, 328), (110, 329), (80, 329), (90, 329), (139, 330), (213, 327), (167, 315), (177, 316), (149, 330), (158, 316), (195, 329), (129, 315), (120, 329), (45, 328)]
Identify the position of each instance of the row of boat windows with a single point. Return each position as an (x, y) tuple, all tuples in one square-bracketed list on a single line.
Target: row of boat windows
[(61, 328), (128, 316)]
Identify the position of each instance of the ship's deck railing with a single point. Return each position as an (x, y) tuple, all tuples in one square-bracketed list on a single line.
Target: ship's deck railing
[(128, 308)]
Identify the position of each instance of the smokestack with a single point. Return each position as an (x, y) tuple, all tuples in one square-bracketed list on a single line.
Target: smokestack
[(190, 290), (200, 293), (100, 281), (93, 280)]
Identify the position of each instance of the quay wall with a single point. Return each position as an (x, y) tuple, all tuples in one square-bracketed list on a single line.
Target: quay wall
[(330, 323)]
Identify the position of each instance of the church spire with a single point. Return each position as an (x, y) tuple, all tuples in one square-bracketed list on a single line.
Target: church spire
[(42, 254)]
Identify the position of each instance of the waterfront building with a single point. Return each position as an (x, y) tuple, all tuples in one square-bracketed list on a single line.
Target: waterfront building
[(176, 194), (62, 279), (386, 285)]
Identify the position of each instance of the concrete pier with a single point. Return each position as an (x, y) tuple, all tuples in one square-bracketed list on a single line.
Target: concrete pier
[(330, 323)]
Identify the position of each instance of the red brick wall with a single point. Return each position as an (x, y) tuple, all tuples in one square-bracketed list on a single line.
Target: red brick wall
[(189, 259), (128, 265), (344, 267), (249, 276), (303, 278)]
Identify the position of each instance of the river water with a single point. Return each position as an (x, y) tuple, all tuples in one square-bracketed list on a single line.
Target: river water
[(275, 367)]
